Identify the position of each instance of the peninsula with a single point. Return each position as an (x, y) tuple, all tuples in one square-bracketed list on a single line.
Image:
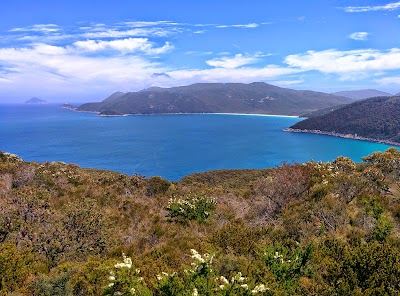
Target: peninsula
[(253, 98), (375, 119)]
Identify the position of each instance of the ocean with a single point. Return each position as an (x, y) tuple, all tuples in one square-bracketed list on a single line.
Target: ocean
[(170, 146)]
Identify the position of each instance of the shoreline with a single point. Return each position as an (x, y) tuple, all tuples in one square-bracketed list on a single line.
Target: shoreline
[(339, 135), (198, 113)]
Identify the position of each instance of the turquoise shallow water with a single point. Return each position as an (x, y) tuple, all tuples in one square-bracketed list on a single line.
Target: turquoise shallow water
[(170, 146)]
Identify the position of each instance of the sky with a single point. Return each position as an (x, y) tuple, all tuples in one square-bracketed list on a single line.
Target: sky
[(80, 51)]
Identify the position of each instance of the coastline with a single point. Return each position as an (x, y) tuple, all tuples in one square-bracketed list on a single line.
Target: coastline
[(346, 136), (204, 113)]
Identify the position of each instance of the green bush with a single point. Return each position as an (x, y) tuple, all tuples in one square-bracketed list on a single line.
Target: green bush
[(157, 185), (16, 267), (367, 269), (288, 264), (191, 207)]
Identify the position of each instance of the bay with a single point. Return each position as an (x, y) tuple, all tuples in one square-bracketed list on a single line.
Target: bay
[(170, 146)]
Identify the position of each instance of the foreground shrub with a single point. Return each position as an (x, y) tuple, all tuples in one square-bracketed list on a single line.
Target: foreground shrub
[(367, 269), (15, 268)]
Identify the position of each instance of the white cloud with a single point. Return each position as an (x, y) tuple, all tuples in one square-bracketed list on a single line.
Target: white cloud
[(139, 24), (230, 75), (59, 70), (43, 28), (359, 36), (287, 82), (236, 61), (198, 53), (246, 26), (389, 80), (137, 32), (390, 6), (123, 45), (352, 64)]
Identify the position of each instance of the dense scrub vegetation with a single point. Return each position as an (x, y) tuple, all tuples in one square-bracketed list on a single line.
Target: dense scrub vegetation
[(376, 118), (309, 229)]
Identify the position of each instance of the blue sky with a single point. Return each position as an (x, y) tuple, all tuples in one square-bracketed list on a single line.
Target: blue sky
[(69, 51)]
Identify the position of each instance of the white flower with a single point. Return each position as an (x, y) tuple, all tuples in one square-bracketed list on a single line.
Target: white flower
[(195, 292), (197, 256), (239, 277), (127, 262), (259, 289), (244, 286), (224, 280), (221, 287), (110, 285), (111, 278)]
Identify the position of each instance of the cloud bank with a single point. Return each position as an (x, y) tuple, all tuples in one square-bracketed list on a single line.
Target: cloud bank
[(92, 59)]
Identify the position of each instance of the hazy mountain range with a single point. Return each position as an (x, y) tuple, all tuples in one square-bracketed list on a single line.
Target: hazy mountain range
[(361, 94), (257, 97)]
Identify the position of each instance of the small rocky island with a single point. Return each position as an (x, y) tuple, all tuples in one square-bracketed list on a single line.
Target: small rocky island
[(35, 100)]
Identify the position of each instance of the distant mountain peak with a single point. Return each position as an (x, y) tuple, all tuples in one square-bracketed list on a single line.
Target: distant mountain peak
[(35, 100)]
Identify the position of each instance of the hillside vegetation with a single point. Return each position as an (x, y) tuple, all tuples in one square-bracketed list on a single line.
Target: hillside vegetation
[(257, 97), (298, 229), (375, 118)]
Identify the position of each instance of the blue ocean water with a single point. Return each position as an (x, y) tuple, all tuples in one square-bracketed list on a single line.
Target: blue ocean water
[(170, 146)]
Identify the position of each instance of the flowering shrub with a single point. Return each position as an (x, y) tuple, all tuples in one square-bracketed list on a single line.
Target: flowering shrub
[(125, 280), (9, 157), (191, 207), (198, 279), (201, 279)]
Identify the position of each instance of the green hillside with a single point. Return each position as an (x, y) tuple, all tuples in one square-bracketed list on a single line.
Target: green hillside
[(300, 229)]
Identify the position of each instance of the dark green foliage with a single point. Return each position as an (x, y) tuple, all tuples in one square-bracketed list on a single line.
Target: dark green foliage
[(57, 285), (365, 269)]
